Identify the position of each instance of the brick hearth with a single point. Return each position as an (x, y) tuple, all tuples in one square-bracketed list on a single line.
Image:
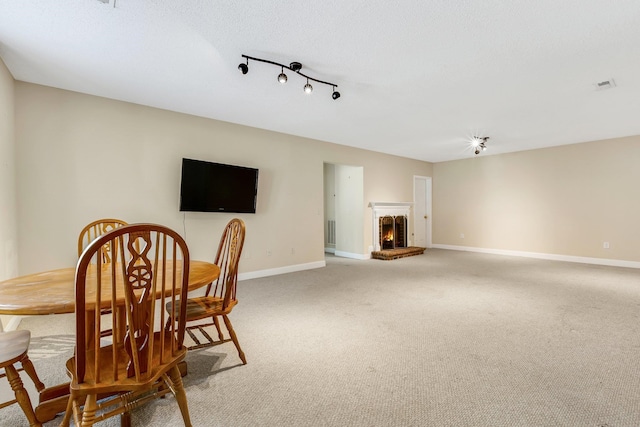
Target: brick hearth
[(389, 254)]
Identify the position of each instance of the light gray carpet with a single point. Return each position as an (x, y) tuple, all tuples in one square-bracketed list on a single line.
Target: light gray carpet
[(446, 338)]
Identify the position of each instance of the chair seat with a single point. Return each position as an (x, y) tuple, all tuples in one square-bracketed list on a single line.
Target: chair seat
[(13, 344), (124, 383), (202, 307)]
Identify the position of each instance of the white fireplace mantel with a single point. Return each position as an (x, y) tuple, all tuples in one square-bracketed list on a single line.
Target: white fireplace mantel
[(381, 209)]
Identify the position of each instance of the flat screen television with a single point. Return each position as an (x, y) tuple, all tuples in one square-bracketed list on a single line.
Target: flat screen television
[(216, 187)]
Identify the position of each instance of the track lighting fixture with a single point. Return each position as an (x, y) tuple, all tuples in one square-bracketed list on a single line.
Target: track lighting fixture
[(479, 144), (282, 77)]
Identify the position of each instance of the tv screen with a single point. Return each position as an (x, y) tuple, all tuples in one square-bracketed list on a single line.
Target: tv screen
[(216, 187)]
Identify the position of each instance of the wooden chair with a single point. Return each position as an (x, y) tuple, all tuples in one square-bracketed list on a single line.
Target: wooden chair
[(13, 351), (148, 267), (92, 231), (220, 296), (95, 229)]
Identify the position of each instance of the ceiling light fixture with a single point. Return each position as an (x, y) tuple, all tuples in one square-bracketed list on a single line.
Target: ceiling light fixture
[(479, 144), (282, 78)]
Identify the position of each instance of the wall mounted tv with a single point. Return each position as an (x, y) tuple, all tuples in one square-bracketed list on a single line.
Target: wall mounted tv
[(216, 187)]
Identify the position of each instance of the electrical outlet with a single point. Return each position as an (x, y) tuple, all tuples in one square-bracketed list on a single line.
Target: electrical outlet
[(462, 235), (605, 245), (269, 252)]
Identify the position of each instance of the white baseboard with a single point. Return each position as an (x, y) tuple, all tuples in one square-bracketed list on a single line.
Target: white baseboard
[(281, 270), (552, 257), (352, 255), (346, 254)]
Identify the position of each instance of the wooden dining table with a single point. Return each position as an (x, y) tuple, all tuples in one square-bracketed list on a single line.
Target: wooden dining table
[(53, 292)]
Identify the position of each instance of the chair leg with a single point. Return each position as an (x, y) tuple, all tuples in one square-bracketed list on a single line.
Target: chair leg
[(77, 411), (216, 322), (234, 338), (89, 411), (21, 394), (31, 371), (125, 419), (180, 394), (68, 413)]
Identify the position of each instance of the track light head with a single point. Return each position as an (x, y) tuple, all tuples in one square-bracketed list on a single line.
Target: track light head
[(335, 94), (244, 68), (308, 88), (282, 78)]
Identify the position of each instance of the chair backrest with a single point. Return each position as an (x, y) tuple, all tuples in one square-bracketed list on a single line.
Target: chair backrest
[(95, 229), (149, 267), (227, 258)]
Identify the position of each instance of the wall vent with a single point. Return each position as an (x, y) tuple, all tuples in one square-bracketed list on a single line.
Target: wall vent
[(331, 232)]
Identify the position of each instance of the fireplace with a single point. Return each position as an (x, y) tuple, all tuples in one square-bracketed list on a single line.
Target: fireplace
[(392, 231), (390, 225)]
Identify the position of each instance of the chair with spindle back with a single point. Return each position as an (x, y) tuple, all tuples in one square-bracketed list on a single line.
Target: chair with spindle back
[(148, 268), (95, 229), (13, 354), (220, 296), (92, 231)]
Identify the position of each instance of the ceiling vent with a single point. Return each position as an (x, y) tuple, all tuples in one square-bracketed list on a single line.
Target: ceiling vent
[(606, 84), (108, 1)]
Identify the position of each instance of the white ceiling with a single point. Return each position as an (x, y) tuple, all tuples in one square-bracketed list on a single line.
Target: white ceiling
[(418, 78)]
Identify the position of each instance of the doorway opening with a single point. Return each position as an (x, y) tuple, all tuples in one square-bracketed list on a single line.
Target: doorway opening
[(343, 216)]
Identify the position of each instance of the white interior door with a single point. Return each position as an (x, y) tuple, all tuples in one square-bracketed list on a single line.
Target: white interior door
[(422, 211)]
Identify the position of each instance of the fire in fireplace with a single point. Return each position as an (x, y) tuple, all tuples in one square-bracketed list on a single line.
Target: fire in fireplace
[(393, 231)]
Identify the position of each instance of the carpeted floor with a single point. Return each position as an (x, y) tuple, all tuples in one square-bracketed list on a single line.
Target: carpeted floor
[(441, 339)]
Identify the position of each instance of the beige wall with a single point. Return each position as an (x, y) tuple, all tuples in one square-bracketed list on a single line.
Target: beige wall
[(564, 200), (8, 225), (81, 157)]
